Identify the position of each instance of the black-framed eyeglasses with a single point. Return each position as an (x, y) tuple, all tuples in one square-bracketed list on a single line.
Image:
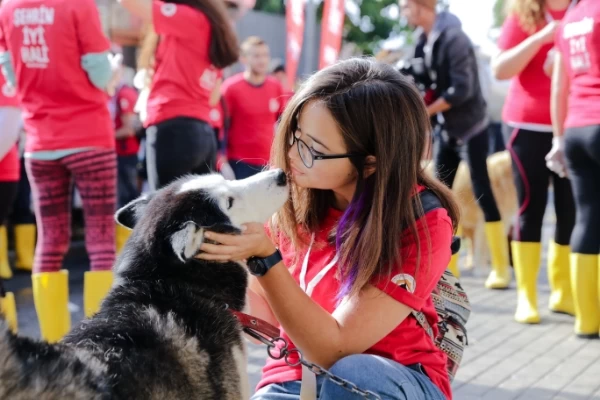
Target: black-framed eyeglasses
[(308, 155)]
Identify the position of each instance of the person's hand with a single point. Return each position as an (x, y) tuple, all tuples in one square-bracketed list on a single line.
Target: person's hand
[(546, 35), (224, 168), (549, 63), (116, 68), (555, 159), (253, 242)]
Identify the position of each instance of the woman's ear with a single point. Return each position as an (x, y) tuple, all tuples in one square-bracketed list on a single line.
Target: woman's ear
[(369, 168)]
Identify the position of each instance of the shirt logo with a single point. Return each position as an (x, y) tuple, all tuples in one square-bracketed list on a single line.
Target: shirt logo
[(8, 90), (168, 9), (214, 115), (209, 79), (405, 281), (273, 105)]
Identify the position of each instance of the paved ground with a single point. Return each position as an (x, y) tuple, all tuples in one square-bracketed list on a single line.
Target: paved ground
[(504, 360)]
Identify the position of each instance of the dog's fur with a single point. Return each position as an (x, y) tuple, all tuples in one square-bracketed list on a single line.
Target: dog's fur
[(164, 330), (472, 221)]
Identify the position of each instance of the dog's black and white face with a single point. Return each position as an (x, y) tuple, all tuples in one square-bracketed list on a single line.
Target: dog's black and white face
[(179, 214)]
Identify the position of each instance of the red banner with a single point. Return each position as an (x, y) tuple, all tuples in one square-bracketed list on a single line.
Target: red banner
[(294, 20), (332, 28)]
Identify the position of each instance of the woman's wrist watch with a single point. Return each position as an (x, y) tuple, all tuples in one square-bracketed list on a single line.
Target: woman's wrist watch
[(260, 266)]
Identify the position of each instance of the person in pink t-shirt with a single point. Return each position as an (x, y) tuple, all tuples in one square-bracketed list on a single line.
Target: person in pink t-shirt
[(525, 42), (577, 137), (55, 53), (346, 260), (194, 41)]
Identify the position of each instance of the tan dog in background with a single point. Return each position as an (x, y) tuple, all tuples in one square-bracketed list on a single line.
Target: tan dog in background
[(471, 219)]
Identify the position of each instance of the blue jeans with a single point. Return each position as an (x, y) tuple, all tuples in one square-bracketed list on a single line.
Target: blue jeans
[(387, 378)]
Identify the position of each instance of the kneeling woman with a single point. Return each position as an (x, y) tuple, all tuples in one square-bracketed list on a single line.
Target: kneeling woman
[(353, 261)]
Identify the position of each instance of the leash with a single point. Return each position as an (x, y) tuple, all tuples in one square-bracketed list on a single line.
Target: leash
[(268, 335)]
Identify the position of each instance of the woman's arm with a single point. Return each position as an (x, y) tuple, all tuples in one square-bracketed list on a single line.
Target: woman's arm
[(558, 98), (512, 62), (139, 8), (324, 338)]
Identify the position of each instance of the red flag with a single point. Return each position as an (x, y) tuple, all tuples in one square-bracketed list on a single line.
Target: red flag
[(294, 20), (332, 28)]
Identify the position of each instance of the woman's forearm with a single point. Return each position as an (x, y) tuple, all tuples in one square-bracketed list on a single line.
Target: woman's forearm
[(510, 63), (314, 331), (559, 96)]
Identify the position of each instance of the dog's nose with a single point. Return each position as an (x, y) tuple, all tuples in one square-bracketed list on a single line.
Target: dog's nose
[(281, 179)]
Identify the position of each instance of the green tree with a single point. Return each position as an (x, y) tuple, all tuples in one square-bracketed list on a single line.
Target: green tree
[(372, 25), (499, 14), (270, 6)]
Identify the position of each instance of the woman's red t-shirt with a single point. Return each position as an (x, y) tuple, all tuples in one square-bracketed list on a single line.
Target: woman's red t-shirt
[(408, 343), (62, 109), (184, 76), (579, 42), (528, 98)]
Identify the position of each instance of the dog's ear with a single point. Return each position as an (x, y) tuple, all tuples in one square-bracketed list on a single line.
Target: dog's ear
[(129, 215), (186, 241), (224, 228)]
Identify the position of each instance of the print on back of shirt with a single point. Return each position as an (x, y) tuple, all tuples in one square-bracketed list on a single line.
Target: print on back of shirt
[(34, 50), (576, 33)]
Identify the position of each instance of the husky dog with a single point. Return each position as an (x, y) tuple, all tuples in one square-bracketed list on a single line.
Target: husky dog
[(164, 330)]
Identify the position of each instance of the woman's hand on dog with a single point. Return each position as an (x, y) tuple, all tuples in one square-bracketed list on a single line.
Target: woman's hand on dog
[(253, 242)]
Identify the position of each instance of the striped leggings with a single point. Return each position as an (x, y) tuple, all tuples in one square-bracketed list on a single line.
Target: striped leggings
[(95, 175)]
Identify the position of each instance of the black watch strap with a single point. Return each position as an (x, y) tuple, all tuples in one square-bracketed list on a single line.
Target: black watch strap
[(260, 266)]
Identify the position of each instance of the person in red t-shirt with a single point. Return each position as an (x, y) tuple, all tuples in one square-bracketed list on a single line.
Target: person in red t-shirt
[(525, 41), (56, 55), (350, 261), (254, 101), (577, 72), (194, 41)]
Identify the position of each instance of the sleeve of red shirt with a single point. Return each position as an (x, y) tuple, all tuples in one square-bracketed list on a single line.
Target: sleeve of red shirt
[(512, 33), (412, 285), (3, 46), (178, 20), (227, 95), (127, 99), (89, 28)]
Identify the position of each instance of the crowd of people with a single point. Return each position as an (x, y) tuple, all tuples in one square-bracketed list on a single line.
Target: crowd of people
[(352, 139)]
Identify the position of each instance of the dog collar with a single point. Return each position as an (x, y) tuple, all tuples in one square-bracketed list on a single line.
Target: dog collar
[(253, 324)]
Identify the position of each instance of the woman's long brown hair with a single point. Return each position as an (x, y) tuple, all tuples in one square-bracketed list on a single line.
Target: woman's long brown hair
[(224, 48), (379, 113), (531, 13)]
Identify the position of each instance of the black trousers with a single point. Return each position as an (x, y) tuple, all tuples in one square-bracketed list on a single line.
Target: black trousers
[(532, 178), (448, 153), (582, 150), (177, 147)]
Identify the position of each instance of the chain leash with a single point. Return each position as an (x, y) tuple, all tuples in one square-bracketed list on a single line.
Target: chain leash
[(285, 352)]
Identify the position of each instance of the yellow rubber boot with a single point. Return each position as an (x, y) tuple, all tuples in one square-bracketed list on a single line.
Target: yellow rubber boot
[(584, 279), (526, 260), (8, 309), (51, 298), (95, 286), (121, 235), (24, 246), (499, 277), (559, 277), (5, 271)]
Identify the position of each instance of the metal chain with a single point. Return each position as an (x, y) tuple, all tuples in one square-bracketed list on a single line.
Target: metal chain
[(285, 352)]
